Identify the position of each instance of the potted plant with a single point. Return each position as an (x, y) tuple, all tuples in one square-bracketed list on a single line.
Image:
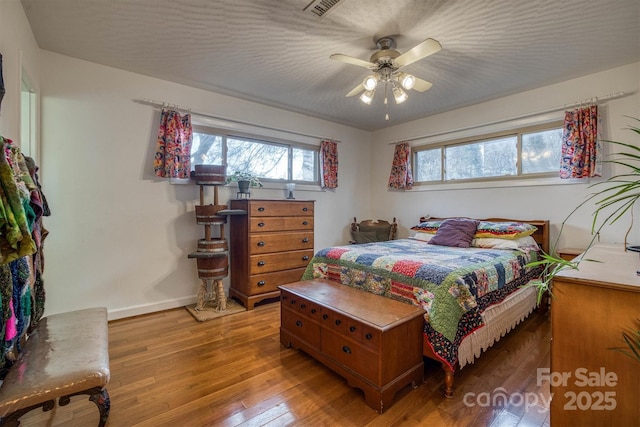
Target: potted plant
[(244, 180), (617, 198)]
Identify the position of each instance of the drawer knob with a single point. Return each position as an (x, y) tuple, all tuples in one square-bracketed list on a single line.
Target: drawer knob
[(338, 322), (305, 258), (303, 306), (313, 311), (325, 316), (293, 301), (368, 336), (352, 328), (261, 263), (305, 209), (305, 240), (261, 243), (346, 349), (305, 222), (261, 224), (260, 209), (284, 297), (299, 324), (261, 283)]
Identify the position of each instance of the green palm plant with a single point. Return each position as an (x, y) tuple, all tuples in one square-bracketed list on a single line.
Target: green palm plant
[(616, 199)]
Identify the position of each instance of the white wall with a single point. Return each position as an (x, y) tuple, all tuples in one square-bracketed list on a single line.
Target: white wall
[(119, 237), (553, 200), (19, 51)]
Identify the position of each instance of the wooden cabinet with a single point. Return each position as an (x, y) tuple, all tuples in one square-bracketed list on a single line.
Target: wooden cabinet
[(270, 246), (372, 341), (591, 384), (569, 253)]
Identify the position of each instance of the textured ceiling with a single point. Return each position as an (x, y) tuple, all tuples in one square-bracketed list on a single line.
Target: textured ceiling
[(274, 53)]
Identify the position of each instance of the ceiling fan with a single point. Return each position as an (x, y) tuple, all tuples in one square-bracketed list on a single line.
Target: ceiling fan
[(386, 64)]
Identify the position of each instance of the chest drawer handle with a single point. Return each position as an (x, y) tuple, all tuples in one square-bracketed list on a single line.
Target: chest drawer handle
[(346, 349), (303, 306), (260, 209), (305, 222), (261, 224), (305, 209), (313, 311), (261, 263), (305, 240), (284, 297), (325, 316), (338, 321), (305, 258), (261, 243), (352, 328), (299, 324), (293, 301), (262, 283), (368, 336)]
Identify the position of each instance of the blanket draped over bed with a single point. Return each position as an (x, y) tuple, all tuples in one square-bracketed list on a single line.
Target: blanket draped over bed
[(453, 285)]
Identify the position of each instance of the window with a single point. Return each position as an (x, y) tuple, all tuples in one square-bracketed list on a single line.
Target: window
[(269, 160), (522, 153)]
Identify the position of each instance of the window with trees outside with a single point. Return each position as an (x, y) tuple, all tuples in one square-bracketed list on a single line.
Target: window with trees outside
[(522, 153), (268, 160)]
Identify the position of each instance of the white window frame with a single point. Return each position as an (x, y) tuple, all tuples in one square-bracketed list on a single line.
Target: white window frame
[(290, 145), (469, 183)]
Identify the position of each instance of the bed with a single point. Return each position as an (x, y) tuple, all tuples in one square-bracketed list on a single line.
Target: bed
[(472, 296)]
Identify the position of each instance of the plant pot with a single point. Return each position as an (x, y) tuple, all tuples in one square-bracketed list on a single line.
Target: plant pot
[(243, 186)]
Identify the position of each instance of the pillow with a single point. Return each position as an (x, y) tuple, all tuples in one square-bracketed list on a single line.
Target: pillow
[(364, 236), (455, 232), (524, 244), (504, 230), (427, 227), (425, 237)]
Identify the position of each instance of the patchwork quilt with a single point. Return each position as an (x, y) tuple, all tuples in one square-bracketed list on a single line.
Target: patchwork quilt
[(453, 285)]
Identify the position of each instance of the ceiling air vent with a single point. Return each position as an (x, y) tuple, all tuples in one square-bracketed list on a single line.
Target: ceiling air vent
[(321, 7)]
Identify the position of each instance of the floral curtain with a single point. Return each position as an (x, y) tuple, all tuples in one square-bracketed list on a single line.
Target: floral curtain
[(329, 164), (173, 147), (401, 176), (581, 149)]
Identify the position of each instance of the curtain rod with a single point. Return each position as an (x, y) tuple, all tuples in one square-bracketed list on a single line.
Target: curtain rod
[(160, 104), (524, 116)]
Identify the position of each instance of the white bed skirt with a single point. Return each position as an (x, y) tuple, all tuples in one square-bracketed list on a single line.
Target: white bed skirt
[(498, 320)]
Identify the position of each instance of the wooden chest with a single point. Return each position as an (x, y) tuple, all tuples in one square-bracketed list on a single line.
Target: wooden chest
[(270, 246), (374, 342)]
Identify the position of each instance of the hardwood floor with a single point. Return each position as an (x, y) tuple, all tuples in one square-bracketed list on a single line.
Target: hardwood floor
[(167, 369)]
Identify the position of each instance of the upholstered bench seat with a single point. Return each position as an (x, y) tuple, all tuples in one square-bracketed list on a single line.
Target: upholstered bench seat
[(66, 355)]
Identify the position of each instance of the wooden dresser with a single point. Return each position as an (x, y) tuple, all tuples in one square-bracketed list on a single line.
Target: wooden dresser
[(591, 384), (374, 342), (270, 246)]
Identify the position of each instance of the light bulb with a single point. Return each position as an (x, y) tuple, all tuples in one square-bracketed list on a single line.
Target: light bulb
[(407, 80), (399, 95), (370, 82), (367, 97)]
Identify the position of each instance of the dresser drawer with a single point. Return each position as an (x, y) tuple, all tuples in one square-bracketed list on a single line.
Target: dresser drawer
[(300, 326), (279, 242), (351, 355), (265, 263), (270, 281), (285, 223), (259, 208)]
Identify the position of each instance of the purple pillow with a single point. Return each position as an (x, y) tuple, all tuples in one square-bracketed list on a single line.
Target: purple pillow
[(456, 232)]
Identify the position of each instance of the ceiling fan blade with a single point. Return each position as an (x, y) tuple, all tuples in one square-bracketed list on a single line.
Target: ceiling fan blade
[(424, 49), (356, 90), (422, 85), (351, 60)]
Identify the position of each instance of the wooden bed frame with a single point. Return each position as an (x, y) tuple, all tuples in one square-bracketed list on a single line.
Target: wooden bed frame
[(541, 236)]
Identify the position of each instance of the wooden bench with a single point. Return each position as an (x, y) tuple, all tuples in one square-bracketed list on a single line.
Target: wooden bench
[(66, 355)]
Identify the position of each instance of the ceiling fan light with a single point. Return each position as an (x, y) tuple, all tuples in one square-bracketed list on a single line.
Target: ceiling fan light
[(407, 81), (367, 96), (399, 95), (370, 82)]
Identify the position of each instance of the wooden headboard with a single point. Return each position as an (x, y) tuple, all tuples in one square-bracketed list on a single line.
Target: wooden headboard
[(541, 235)]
